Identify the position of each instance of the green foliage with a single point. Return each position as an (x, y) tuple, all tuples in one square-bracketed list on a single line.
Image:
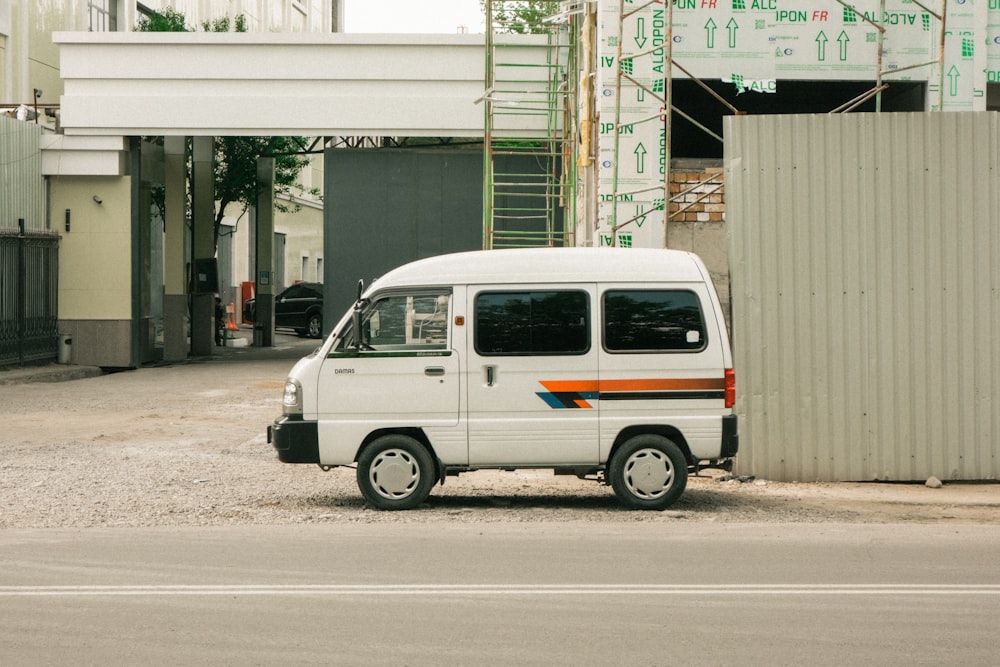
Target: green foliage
[(522, 17), (167, 20), (171, 20), (223, 24), (236, 170)]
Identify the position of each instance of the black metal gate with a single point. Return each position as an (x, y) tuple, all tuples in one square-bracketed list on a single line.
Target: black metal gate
[(29, 275)]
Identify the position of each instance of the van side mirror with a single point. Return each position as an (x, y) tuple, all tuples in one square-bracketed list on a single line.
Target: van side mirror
[(356, 325)]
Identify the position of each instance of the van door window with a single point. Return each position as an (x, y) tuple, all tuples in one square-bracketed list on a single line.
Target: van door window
[(653, 321), (413, 321), (532, 323)]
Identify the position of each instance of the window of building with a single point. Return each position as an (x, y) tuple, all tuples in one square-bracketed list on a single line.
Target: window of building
[(532, 323), (103, 15), (653, 321)]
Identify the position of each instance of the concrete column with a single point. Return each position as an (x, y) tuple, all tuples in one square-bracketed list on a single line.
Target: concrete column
[(175, 311), (205, 280), (263, 323), (337, 23)]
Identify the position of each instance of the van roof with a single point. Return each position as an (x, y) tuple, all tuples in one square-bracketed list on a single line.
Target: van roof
[(546, 265)]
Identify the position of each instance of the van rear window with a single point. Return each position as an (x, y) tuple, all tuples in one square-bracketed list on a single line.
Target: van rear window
[(532, 323), (653, 321)]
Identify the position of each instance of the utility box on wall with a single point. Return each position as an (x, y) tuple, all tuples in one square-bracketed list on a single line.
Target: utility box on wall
[(865, 259)]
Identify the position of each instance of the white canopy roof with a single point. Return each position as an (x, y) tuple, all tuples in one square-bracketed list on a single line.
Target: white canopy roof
[(307, 84)]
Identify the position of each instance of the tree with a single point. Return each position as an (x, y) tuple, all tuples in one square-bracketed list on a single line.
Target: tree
[(236, 157), (236, 171), (222, 24), (522, 17), (167, 20)]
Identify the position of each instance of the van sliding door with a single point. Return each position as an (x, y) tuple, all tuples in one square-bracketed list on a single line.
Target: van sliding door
[(532, 376)]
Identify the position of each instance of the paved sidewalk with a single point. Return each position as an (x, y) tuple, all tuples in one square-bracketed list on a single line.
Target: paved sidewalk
[(238, 347), (47, 373)]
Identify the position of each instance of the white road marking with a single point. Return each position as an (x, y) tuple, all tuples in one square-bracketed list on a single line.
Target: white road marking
[(544, 590)]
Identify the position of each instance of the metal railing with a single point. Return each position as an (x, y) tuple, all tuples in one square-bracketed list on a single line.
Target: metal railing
[(29, 274)]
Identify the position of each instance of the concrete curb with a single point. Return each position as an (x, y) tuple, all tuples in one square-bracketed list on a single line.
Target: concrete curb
[(48, 373)]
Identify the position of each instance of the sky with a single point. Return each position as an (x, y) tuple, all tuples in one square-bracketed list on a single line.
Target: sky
[(422, 16)]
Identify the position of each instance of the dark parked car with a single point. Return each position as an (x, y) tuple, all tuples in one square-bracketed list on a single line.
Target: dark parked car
[(298, 307)]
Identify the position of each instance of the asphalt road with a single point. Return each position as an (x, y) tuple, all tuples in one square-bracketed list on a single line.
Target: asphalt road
[(502, 594)]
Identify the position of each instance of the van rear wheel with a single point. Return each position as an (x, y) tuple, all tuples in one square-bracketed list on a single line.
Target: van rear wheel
[(648, 472), (395, 472)]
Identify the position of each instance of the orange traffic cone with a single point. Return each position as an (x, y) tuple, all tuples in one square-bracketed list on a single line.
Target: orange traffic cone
[(231, 324)]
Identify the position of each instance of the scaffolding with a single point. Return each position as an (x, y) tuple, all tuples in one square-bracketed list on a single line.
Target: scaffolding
[(529, 177), (880, 73), (675, 205)]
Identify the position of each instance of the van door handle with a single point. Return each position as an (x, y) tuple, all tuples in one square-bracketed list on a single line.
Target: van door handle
[(434, 370), (491, 375)]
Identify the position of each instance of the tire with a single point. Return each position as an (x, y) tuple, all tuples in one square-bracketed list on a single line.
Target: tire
[(648, 472), (314, 327), (395, 472)]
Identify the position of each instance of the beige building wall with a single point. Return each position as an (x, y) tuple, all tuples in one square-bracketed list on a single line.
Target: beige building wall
[(95, 268), (303, 232), (29, 59), (303, 229)]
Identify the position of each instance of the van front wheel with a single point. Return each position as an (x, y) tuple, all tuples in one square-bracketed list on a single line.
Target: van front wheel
[(648, 472), (395, 472)]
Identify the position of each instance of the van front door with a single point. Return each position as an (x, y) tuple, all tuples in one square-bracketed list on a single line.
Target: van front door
[(405, 374), (532, 376)]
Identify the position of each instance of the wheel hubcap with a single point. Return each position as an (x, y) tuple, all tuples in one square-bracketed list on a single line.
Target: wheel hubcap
[(394, 474), (649, 473)]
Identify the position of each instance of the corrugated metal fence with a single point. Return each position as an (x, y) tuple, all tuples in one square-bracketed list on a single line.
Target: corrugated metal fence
[(29, 270), (865, 255)]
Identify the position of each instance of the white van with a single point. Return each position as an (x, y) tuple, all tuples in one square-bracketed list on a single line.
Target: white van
[(605, 363)]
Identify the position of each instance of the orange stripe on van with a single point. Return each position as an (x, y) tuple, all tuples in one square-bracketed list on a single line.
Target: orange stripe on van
[(645, 384), (566, 386)]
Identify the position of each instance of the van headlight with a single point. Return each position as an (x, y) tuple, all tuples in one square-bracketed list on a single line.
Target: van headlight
[(291, 400)]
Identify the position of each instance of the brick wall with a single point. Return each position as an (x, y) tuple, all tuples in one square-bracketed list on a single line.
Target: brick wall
[(698, 217)]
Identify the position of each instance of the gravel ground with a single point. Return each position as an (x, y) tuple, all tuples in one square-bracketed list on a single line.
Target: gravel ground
[(185, 445)]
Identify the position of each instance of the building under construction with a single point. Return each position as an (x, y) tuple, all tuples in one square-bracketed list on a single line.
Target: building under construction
[(614, 67)]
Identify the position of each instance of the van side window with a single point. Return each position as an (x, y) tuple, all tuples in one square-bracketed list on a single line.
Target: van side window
[(412, 321), (532, 323), (653, 321)]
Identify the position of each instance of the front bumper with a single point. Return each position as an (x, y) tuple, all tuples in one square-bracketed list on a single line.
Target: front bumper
[(295, 439)]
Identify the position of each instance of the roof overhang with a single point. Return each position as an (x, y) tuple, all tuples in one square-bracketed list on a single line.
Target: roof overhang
[(269, 84)]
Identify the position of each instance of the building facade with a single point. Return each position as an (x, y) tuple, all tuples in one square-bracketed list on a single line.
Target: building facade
[(114, 270)]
